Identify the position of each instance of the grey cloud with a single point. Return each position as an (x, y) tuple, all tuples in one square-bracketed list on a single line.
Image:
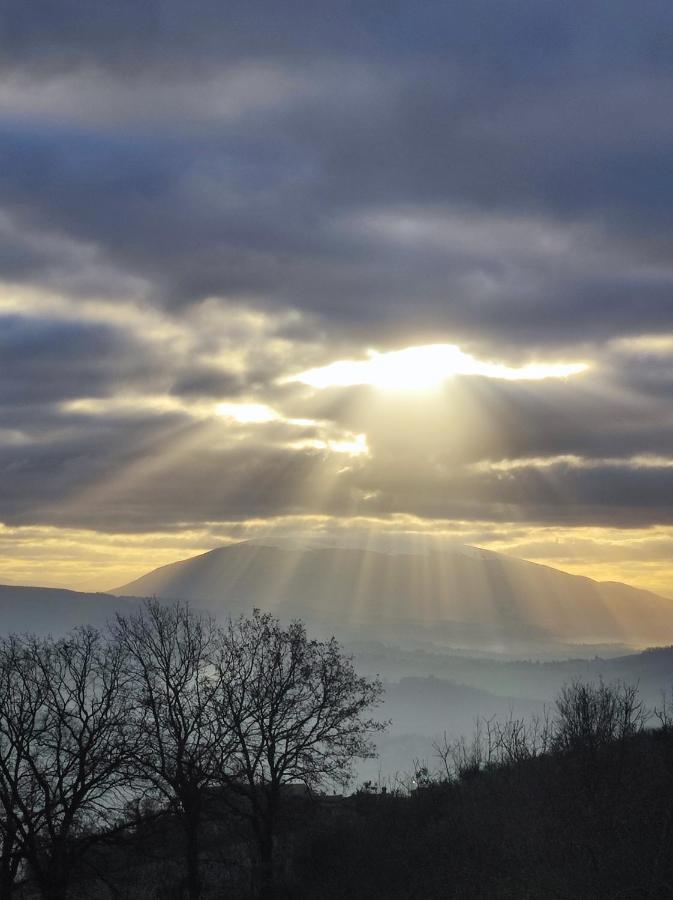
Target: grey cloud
[(485, 33), (492, 174), (205, 381), (610, 496), (475, 418), (47, 361), (162, 471), (507, 110), (157, 475)]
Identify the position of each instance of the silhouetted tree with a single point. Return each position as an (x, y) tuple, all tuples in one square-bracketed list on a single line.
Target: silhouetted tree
[(64, 749), (10, 857), (590, 716), (185, 745), (298, 710), (14, 731)]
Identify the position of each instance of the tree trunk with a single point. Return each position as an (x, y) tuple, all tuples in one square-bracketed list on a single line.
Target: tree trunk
[(9, 863), (192, 862), (267, 882), (54, 887), (266, 832), (56, 892), (192, 827), (52, 876), (6, 880)]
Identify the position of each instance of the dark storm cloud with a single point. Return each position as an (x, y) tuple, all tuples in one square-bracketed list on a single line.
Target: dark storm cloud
[(205, 381), (484, 33), (47, 361), (552, 113), (615, 496), (492, 174)]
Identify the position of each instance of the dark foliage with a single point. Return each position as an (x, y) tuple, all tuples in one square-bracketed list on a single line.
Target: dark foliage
[(588, 820), (158, 760), (175, 760)]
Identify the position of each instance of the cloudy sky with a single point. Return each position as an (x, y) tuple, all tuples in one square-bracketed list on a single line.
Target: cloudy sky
[(353, 268)]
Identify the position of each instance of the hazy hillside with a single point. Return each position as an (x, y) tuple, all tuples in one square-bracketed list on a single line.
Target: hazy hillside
[(450, 691), (55, 611), (459, 596), (430, 687), (528, 679)]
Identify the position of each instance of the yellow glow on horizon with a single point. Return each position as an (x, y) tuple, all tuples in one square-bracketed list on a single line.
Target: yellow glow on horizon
[(425, 367), (83, 559)]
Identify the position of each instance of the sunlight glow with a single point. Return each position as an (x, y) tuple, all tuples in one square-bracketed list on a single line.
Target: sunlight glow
[(247, 413), (419, 368), (638, 461), (355, 445)]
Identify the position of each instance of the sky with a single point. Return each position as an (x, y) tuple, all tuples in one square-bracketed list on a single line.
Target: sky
[(350, 269)]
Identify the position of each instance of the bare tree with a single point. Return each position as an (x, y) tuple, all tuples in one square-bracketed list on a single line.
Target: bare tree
[(460, 758), (298, 710), (185, 746), (590, 716), (64, 749), (18, 729)]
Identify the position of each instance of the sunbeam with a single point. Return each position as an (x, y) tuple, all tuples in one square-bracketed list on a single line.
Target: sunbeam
[(421, 368)]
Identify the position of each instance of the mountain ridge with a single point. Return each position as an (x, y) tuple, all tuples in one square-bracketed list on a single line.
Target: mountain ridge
[(351, 586)]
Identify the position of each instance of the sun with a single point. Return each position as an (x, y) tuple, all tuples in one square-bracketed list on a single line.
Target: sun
[(423, 368)]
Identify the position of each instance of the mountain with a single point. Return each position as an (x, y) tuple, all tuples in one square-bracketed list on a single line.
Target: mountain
[(454, 596)]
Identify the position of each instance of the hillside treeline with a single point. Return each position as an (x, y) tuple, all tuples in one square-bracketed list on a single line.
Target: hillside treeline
[(577, 805), (158, 735), (170, 758)]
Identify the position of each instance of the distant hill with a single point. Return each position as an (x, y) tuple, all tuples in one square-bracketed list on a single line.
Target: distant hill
[(525, 679), (460, 596), (54, 611)]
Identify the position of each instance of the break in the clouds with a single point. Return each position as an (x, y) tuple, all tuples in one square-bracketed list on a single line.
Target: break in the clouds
[(207, 211)]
